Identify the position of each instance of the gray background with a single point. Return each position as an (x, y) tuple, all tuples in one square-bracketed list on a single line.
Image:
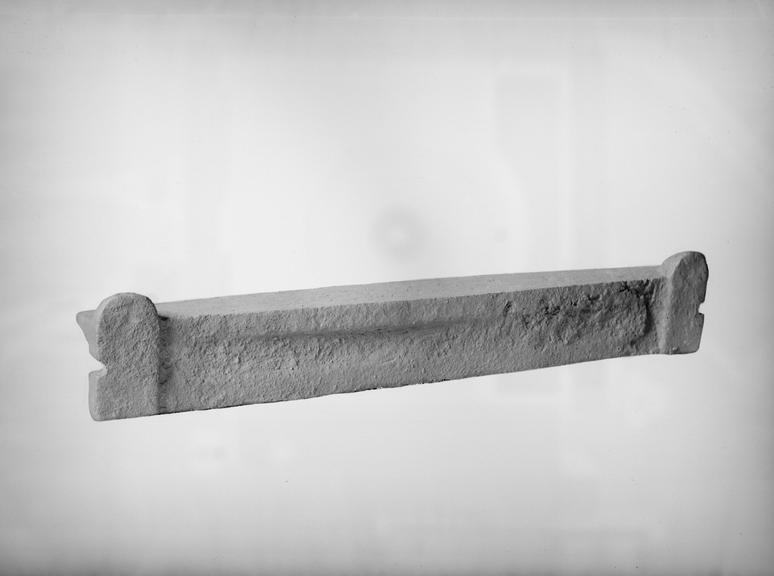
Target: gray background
[(212, 148)]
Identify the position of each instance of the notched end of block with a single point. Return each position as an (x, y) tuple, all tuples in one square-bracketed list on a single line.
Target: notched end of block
[(681, 323), (124, 334)]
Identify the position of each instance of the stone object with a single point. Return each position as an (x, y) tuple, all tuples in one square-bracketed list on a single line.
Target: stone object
[(235, 350)]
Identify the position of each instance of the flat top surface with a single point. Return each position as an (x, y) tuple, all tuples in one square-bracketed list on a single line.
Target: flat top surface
[(400, 291)]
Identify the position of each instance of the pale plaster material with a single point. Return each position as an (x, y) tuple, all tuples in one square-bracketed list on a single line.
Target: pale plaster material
[(235, 350)]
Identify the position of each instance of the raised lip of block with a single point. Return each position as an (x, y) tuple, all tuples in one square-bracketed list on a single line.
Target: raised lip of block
[(128, 385), (685, 290)]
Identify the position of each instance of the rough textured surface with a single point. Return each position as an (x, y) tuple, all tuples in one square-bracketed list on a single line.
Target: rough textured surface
[(123, 334), (237, 350)]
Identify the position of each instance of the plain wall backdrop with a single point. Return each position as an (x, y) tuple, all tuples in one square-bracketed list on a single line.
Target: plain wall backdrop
[(186, 150)]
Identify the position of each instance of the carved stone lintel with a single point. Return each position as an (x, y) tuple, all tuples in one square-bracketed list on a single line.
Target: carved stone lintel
[(235, 350)]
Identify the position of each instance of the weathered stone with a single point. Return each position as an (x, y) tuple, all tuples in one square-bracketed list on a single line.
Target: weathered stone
[(218, 352)]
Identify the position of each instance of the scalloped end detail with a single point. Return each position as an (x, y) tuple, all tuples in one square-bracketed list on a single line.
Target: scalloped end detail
[(123, 334), (681, 323)]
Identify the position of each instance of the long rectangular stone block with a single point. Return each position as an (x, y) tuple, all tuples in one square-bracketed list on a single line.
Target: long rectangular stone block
[(235, 350)]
